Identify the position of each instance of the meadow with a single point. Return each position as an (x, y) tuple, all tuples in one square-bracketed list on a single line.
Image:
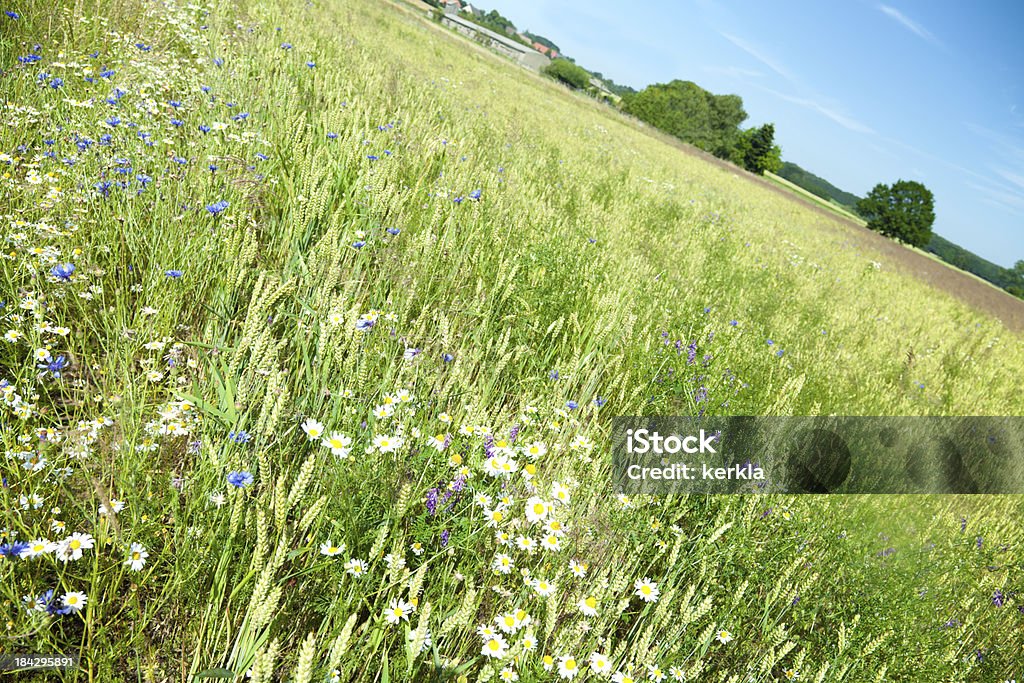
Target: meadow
[(314, 318)]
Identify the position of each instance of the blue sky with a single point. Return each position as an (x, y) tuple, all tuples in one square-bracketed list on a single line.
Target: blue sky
[(860, 92)]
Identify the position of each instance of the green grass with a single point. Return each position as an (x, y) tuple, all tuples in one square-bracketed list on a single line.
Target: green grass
[(591, 251)]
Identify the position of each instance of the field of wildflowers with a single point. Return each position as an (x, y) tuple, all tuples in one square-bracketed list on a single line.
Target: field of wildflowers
[(314, 317)]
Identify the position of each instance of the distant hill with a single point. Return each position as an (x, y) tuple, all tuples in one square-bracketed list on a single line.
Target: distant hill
[(816, 185), (956, 255)]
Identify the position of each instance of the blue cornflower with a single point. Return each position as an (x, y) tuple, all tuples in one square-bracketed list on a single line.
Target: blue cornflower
[(240, 479), (180, 160), (63, 271), (177, 123), (218, 208), (553, 374), (13, 549), (47, 601), (143, 47), (599, 402), (213, 168), (457, 200), (203, 128), (12, 15), (475, 195), (174, 103), (240, 437), (393, 231), (217, 61), (572, 405), (447, 358), (311, 64), (359, 245), (780, 352), (286, 46), (261, 156), (733, 323), (54, 366), (332, 136), (173, 274), (56, 83), (144, 179), (241, 116), (107, 73), (364, 324), (372, 157), (592, 240)]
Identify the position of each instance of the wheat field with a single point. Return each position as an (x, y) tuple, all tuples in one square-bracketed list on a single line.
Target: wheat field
[(315, 316)]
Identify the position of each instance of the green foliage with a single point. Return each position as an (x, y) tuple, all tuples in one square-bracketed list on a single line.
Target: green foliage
[(494, 21), (691, 113), (567, 72), (816, 185), (616, 88), (904, 211), (756, 150)]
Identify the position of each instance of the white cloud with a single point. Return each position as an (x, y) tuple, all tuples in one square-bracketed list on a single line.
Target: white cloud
[(908, 23), (1015, 178), (825, 110), (1010, 201), (761, 57), (733, 71)]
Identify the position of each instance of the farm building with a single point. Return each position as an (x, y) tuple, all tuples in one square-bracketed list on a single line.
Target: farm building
[(512, 49)]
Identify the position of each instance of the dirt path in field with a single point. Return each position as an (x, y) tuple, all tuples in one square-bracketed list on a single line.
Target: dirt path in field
[(969, 289)]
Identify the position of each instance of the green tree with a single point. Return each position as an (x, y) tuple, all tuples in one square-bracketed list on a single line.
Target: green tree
[(756, 150), (727, 114), (571, 74), (690, 113), (1016, 276), (905, 211)]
